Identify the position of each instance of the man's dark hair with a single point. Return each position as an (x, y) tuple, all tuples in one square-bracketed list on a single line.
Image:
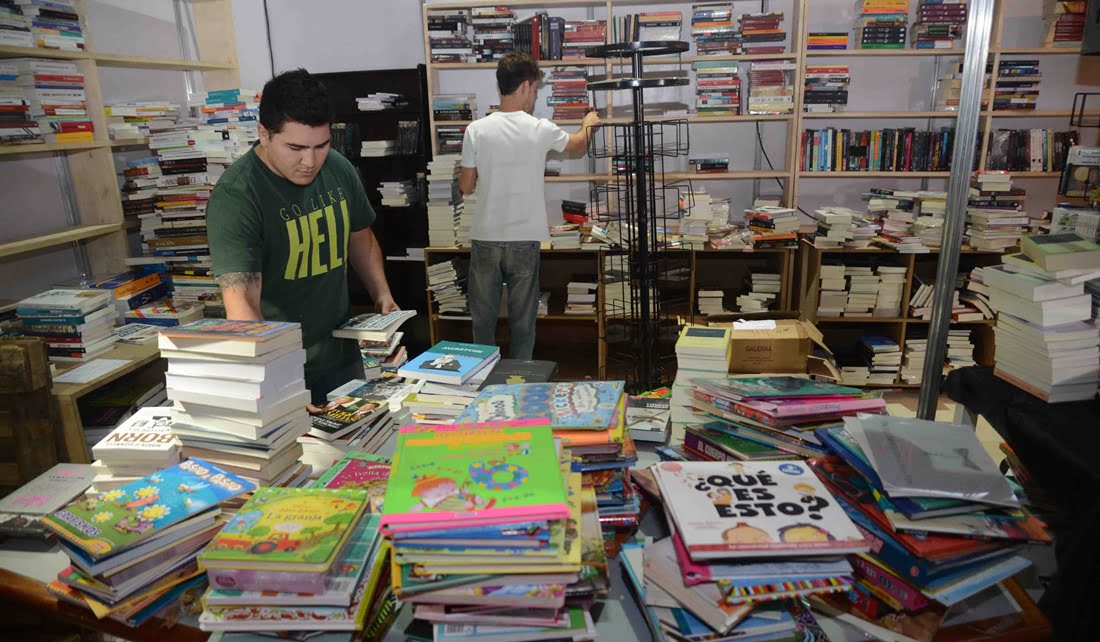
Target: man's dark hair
[(514, 69), (294, 96)]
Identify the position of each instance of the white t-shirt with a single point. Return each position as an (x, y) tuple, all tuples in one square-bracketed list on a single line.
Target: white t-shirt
[(509, 151)]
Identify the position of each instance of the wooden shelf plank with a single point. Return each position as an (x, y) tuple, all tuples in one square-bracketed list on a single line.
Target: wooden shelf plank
[(149, 62), (805, 174), (10, 51), (880, 114), (672, 60), (875, 53), (42, 148), (137, 355), (55, 239), (1036, 174), (1041, 51), (722, 176)]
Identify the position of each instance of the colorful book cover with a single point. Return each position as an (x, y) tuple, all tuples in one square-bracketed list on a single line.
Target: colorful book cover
[(340, 415), (754, 509), (287, 529), (145, 437), (222, 329), (580, 405), (465, 472), (520, 371), (449, 360), (362, 471), (49, 491), (777, 387), (102, 525)]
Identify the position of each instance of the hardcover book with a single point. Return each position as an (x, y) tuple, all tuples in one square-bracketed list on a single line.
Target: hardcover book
[(450, 362), (106, 524), (520, 371), (582, 405), (49, 491), (237, 330), (341, 416), (778, 387), (757, 509), (361, 471)]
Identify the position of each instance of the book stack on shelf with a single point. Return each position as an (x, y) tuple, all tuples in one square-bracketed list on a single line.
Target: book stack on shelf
[(996, 217), (1029, 150), (960, 349), (448, 38), (449, 374), (701, 352), (565, 236), (936, 545), (717, 88), (920, 303), (836, 227), (710, 302), (381, 101), (76, 324), (882, 358), (22, 510), (762, 33), (832, 299), (764, 290), (883, 24), (1045, 342), (890, 288), (897, 223), (569, 93), (912, 362), (240, 396), (826, 40), (949, 89), (880, 150), (928, 226), (398, 193), (466, 218), (581, 297), (1016, 87), (377, 148), (133, 550), (511, 471), (579, 35), (491, 32), (54, 24), (54, 90), (714, 30), (141, 445), (454, 106), (447, 285), (16, 125), (826, 88), (1063, 22), (137, 119), (939, 24), (771, 87), (163, 314), (278, 565), (139, 179), (444, 200), (450, 140), (17, 23), (770, 224)]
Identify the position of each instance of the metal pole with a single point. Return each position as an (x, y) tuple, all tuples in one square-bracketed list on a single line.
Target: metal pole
[(979, 26), (642, 270)]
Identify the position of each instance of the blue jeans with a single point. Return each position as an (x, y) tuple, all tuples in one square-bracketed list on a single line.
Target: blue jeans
[(492, 264)]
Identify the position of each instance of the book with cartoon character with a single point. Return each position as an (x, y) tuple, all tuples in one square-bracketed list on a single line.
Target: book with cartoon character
[(473, 473), (109, 523), (578, 405), (754, 509), (362, 471), (451, 362)]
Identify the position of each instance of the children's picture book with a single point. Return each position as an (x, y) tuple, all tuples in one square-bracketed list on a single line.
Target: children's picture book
[(49, 491), (520, 371), (578, 405), (775, 387), (146, 437), (287, 529), (462, 473), (754, 509), (450, 362), (237, 330), (361, 471), (109, 523)]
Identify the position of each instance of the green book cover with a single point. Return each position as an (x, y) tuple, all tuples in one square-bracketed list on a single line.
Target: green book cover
[(288, 529), (465, 471), (776, 387), (474, 350)]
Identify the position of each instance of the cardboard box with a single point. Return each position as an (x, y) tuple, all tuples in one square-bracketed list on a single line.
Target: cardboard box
[(781, 346)]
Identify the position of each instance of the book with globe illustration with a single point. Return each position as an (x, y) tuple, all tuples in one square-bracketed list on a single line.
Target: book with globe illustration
[(109, 523), (754, 509), (298, 530)]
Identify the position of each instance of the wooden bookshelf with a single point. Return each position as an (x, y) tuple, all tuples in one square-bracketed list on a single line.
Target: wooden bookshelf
[(17, 247), (48, 148)]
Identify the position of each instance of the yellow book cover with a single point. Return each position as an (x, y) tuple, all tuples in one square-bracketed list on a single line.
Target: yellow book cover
[(74, 137)]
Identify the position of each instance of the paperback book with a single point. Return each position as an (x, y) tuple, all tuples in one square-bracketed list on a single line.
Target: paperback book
[(582, 405)]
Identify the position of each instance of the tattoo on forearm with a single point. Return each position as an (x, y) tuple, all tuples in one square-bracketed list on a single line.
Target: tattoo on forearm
[(238, 279)]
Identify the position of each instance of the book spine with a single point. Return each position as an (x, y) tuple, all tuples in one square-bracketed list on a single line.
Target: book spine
[(905, 595), (278, 581)]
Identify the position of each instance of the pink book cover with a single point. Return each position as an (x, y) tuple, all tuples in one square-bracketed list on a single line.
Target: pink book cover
[(800, 408)]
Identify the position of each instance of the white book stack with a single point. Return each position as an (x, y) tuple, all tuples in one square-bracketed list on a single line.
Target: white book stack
[(883, 358), (446, 282), (580, 297), (765, 290), (835, 227), (833, 297), (376, 148), (139, 446), (891, 287), (996, 215), (397, 193), (444, 200), (863, 287), (466, 220), (960, 349), (696, 222), (710, 302), (920, 302), (565, 236), (240, 396), (855, 375), (912, 364), (696, 361)]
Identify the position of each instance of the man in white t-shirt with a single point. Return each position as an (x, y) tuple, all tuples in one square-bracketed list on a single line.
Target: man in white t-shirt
[(503, 158)]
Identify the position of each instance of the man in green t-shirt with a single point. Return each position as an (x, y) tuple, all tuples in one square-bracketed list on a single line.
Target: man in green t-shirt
[(284, 222)]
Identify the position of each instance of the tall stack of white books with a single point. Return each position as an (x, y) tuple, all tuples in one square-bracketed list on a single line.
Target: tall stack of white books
[(833, 293), (466, 220), (446, 283), (835, 226), (765, 290), (397, 193), (891, 286), (710, 302), (912, 363), (701, 353), (444, 200), (863, 286)]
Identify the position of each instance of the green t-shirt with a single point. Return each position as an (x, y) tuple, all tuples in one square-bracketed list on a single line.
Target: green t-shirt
[(297, 237)]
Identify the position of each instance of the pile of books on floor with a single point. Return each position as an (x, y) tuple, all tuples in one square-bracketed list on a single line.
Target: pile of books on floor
[(448, 37), (381, 101), (579, 35), (861, 291), (444, 200), (492, 35), (762, 33), (54, 24), (882, 357), (939, 24), (54, 91), (701, 352), (717, 88), (1064, 23), (1045, 342), (141, 445), (296, 560), (714, 29), (996, 217), (883, 24), (710, 302), (580, 297), (1016, 87), (447, 285), (398, 193), (935, 544), (771, 87), (137, 119), (826, 88), (764, 290), (449, 375), (440, 485), (133, 549), (376, 148), (22, 510), (565, 236), (240, 396), (77, 325), (827, 40), (569, 93)]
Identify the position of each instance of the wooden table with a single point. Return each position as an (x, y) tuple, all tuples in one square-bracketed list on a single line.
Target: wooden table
[(72, 447)]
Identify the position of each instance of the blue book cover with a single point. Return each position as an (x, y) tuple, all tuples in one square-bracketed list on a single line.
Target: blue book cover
[(450, 362), (577, 405)]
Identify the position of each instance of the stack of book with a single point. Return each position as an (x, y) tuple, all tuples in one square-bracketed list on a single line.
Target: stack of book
[(861, 291), (762, 33), (832, 298), (826, 40), (17, 31), (717, 88), (450, 140), (397, 193), (285, 563), (647, 415), (960, 349), (569, 93), (890, 288), (454, 557), (920, 302), (130, 291), (231, 113), (770, 220), (377, 336), (912, 362), (701, 352), (377, 148), (771, 87), (882, 356), (939, 24), (139, 446), (76, 325), (55, 24), (579, 35), (447, 284), (466, 220), (580, 297), (826, 88), (835, 227), (105, 409), (137, 119), (764, 290), (1063, 23), (54, 90), (16, 126), (448, 39), (240, 395), (454, 106), (883, 24), (1045, 343), (492, 32), (566, 236), (449, 374), (444, 200), (139, 177), (350, 423), (22, 510), (1083, 220), (905, 483), (1016, 87), (710, 302), (995, 214), (381, 101), (714, 30), (133, 549), (164, 313)]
